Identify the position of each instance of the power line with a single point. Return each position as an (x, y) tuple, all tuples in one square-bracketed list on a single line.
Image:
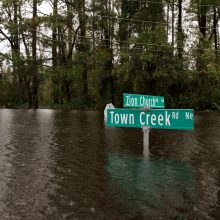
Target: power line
[(118, 47), (169, 2), (114, 47), (185, 27), (118, 41), (127, 19)]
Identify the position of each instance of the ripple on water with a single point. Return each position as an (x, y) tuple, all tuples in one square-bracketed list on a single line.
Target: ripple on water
[(68, 165)]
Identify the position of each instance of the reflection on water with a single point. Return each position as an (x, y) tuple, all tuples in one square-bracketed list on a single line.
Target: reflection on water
[(6, 116), (152, 188), (68, 165), (29, 163)]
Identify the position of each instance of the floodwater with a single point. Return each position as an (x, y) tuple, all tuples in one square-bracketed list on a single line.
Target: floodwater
[(68, 165)]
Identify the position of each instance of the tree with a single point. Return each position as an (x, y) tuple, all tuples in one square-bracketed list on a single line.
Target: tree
[(34, 56), (83, 47)]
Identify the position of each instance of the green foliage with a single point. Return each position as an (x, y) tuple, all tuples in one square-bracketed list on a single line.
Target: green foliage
[(105, 48), (8, 92)]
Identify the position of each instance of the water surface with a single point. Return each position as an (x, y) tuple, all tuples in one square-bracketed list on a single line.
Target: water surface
[(68, 165)]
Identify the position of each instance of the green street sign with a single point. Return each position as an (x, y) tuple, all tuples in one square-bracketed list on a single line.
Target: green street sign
[(179, 119), (138, 101)]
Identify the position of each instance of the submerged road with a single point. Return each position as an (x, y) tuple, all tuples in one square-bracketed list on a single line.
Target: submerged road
[(69, 165)]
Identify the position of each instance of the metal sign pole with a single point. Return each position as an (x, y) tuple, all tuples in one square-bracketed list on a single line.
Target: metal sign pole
[(108, 106), (178, 119), (146, 131)]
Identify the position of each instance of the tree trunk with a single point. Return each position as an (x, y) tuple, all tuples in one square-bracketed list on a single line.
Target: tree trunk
[(215, 33), (201, 64), (16, 52), (167, 18), (203, 19), (83, 47), (54, 34), (55, 78), (173, 24), (180, 36), (34, 57)]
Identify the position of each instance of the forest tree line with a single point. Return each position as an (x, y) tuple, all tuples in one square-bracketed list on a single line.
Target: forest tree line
[(85, 53)]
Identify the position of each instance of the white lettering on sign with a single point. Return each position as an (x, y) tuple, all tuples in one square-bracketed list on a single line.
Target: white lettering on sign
[(116, 117), (142, 122), (147, 101), (147, 119), (160, 119), (124, 118), (131, 101), (121, 118), (189, 115), (152, 119), (112, 113), (167, 118), (175, 115)]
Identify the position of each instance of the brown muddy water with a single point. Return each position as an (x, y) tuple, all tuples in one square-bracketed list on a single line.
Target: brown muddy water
[(68, 165)]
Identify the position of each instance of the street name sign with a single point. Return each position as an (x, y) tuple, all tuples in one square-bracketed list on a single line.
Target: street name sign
[(179, 119), (140, 101)]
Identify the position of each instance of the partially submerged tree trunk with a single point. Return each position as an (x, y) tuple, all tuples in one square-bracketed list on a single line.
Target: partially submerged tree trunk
[(34, 57), (82, 48)]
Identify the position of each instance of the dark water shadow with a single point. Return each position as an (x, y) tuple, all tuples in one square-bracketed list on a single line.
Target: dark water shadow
[(152, 188)]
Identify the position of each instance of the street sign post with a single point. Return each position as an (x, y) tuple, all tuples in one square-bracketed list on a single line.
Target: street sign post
[(148, 117), (108, 106), (140, 101), (178, 119)]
